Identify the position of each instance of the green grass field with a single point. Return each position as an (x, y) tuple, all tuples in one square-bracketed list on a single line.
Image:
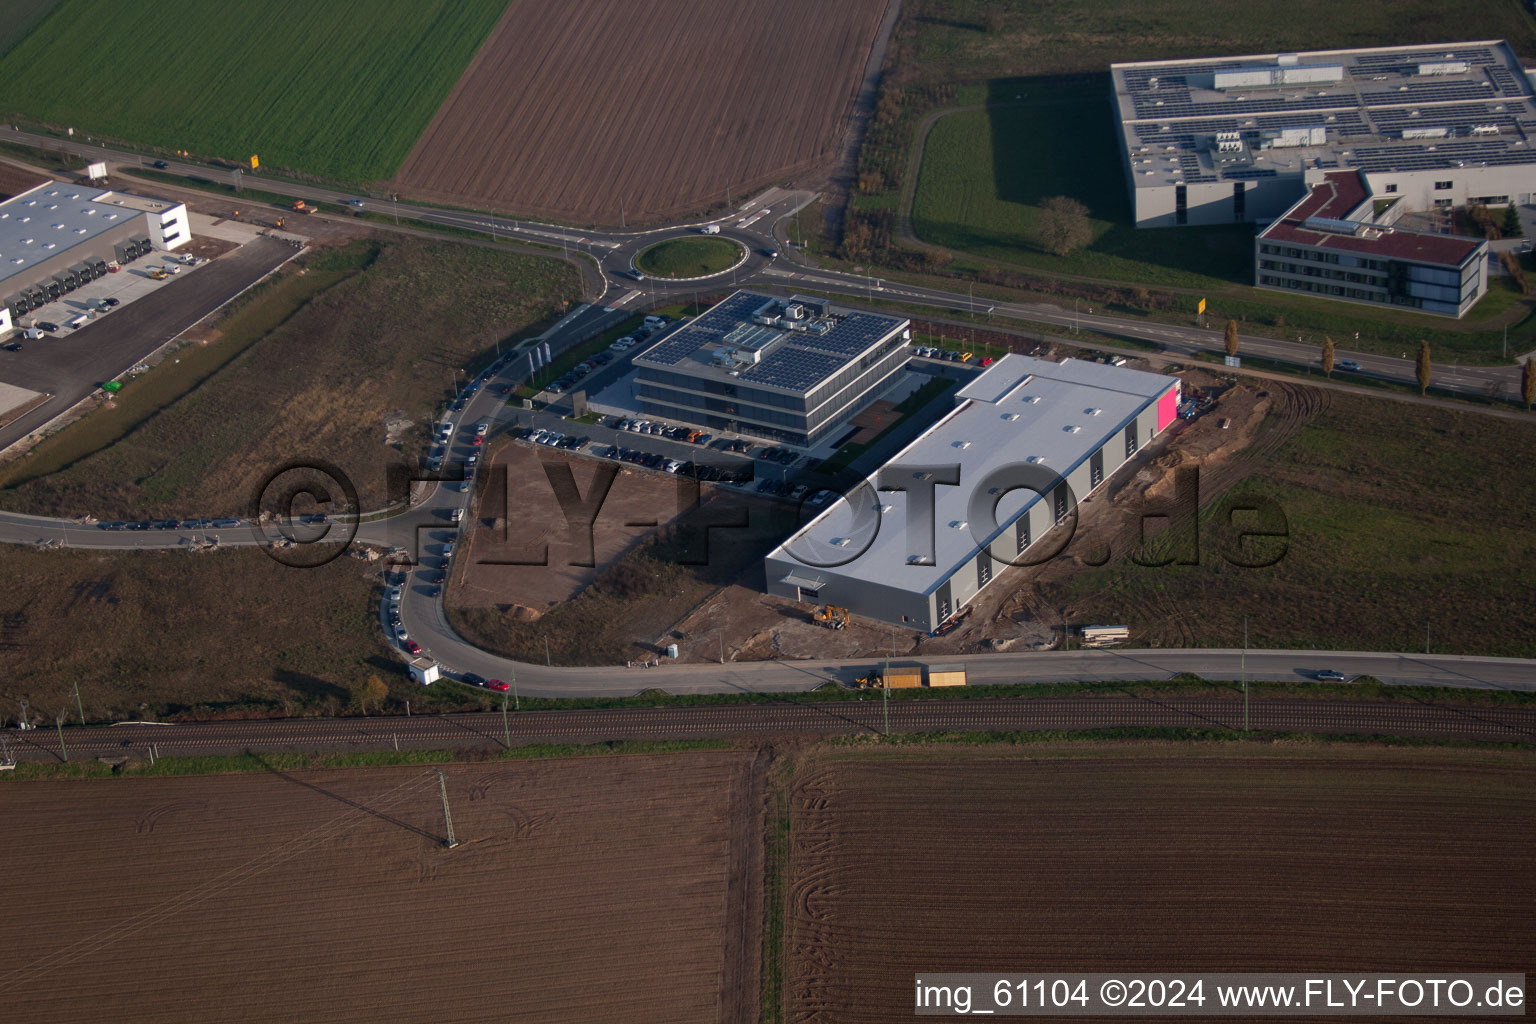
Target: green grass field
[(688, 257), (966, 40), (1400, 517), (21, 17), (982, 181), (339, 90)]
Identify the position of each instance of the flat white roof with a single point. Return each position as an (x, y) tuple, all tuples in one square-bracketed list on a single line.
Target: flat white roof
[(1021, 410), (50, 220)]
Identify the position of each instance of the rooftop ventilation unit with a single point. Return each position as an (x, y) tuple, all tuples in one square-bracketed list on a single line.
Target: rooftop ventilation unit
[(958, 524), (1093, 412), (1010, 416), (962, 444), (1031, 399), (1036, 460), (1444, 67), (919, 560), (1072, 428)]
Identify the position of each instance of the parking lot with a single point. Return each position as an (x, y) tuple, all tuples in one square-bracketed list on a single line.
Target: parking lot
[(68, 365)]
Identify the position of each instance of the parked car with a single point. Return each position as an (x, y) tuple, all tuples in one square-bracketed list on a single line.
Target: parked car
[(46, 325), (472, 679), (497, 685), (400, 634), (412, 646), (111, 303)]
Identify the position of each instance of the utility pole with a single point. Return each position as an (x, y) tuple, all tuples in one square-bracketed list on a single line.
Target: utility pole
[(886, 698), (396, 197), (78, 705), (547, 662), (1426, 638), (59, 721), (1245, 673), (506, 729), (442, 787), (721, 634), (516, 706)]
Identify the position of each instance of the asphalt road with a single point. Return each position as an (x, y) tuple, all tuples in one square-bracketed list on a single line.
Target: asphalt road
[(840, 718), (73, 364), (424, 529), (755, 225)]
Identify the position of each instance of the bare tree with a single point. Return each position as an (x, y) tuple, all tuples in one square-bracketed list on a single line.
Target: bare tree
[(1062, 226), (1424, 367), (1528, 382), (370, 691), (1231, 337), (1327, 356)]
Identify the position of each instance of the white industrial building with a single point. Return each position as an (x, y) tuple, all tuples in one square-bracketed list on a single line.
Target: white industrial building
[(56, 237), (1027, 440), (1218, 140)]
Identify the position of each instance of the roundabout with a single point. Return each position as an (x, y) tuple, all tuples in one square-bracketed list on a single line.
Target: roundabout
[(690, 257)]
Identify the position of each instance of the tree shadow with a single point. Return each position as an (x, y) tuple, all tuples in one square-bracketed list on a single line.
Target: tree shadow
[(309, 687)]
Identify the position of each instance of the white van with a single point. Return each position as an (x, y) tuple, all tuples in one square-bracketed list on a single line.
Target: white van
[(710, 229)]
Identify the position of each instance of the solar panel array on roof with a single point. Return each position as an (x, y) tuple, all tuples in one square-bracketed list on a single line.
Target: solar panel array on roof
[(793, 368), (796, 359), (1442, 155), (852, 335)]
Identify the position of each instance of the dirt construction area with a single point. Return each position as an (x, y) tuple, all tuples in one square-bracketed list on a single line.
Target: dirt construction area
[(622, 888), (523, 552), (1011, 615), (1150, 858), (613, 110)]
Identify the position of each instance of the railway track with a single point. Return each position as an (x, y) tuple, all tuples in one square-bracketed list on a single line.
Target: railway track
[(484, 730)]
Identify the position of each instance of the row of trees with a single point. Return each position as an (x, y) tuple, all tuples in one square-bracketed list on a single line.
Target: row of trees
[(1423, 366)]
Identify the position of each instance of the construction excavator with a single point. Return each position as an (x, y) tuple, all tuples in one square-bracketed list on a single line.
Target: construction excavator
[(831, 616)]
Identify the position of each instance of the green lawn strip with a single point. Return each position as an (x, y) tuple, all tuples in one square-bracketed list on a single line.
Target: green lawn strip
[(345, 95), (689, 257), (566, 360), (164, 767)]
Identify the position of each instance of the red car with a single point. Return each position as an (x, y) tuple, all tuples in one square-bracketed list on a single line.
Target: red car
[(987, 361), (497, 685), (413, 646), (477, 440)]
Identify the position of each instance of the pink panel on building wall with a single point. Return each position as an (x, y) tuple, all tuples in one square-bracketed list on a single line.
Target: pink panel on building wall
[(1167, 407)]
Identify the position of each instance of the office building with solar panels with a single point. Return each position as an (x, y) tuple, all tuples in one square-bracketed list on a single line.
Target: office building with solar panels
[(788, 370), (977, 492), (1220, 140)]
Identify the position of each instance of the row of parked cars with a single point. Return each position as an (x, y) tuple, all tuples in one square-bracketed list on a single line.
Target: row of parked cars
[(579, 371), (177, 524), (554, 439), (949, 355), (564, 383)]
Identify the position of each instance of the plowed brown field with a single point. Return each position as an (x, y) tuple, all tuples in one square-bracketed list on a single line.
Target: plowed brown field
[(595, 889), (1284, 860), (585, 111)]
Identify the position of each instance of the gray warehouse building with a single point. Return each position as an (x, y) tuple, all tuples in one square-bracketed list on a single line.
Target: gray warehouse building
[(57, 236), (789, 370), (1219, 140), (1027, 440)]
